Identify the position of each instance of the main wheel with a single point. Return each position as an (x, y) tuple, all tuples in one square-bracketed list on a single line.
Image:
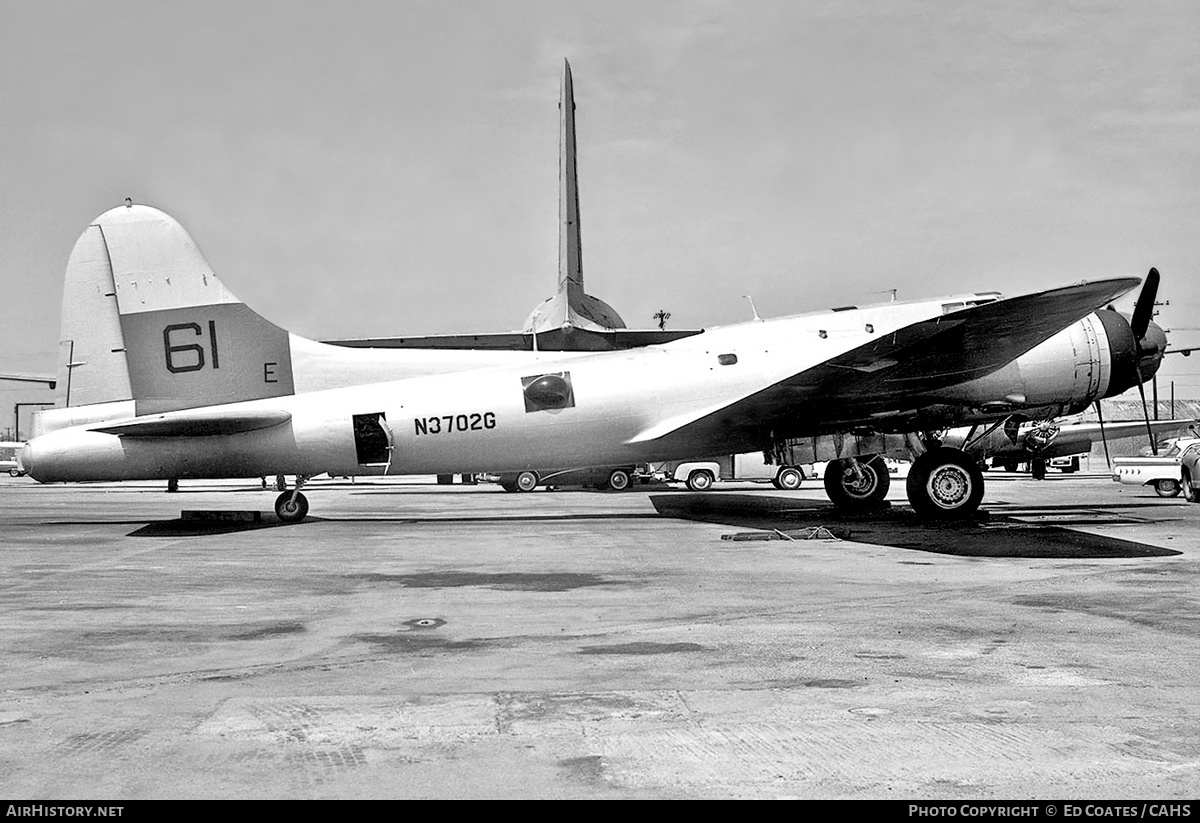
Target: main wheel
[(788, 479), (618, 480), (1191, 491), (847, 491), (526, 482), (291, 508), (700, 480), (1167, 488), (945, 484), (1037, 468)]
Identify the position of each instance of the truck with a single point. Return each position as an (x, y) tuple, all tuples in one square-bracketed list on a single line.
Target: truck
[(1163, 471), (699, 475)]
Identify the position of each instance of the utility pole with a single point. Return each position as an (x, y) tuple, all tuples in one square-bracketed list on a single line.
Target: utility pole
[(662, 316)]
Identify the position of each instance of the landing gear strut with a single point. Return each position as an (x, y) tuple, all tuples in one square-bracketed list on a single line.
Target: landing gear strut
[(855, 485), (292, 506), (945, 484)]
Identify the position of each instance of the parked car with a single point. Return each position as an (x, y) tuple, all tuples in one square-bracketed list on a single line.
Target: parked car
[(1189, 470), (1164, 472), (699, 475), (611, 478), (8, 457)]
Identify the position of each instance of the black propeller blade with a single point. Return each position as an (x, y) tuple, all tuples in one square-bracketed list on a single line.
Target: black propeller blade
[(1103, 437), (1146, 415), (1140, 323), (1144, 310)]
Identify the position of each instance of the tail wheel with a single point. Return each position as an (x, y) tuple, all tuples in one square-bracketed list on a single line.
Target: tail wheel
[(526, 482), (945, 484), (618, 480), (848, 490), (788, 479), (1167, 488), (700, 480), (291, 507), (1191, 491)]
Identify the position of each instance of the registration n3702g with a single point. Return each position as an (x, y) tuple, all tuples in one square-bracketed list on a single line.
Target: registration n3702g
[(447, 423)]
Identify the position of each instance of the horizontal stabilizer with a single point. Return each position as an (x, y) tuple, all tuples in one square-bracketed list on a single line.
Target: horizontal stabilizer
[(197, 424), (30, 378)]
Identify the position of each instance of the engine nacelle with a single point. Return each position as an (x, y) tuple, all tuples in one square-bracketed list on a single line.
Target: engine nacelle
[(1095, 358)]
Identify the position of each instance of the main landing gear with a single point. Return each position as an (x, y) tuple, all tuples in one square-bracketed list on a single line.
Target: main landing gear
[(943, 484), (292, 506), (857, 485)]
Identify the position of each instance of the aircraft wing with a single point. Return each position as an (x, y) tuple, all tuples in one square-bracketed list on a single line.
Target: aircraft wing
[(1079, 437), (890, 374), (196, 424), (30, 378), (552, 340)]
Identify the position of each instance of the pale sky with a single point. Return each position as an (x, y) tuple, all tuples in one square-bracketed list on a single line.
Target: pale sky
[(384, 168)]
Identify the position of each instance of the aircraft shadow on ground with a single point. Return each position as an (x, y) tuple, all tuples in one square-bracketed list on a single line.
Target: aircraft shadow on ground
[(184, 527), (997, 535), (200, 528)]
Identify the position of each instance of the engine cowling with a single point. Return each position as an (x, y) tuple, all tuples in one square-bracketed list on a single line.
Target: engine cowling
[(1097, 357)]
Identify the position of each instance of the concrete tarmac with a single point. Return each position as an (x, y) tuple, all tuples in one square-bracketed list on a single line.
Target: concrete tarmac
[(411, 640)]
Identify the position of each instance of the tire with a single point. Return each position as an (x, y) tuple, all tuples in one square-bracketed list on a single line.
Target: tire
[(526, 482), (1191, 491), (1167, 488), (700, 480), (291, 508), (618, 480), (1010, 465), (15, 472), (788, 479), (945, 484), (854, 494)]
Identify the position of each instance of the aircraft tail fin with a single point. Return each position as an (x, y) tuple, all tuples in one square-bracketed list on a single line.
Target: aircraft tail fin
[(570, 307), (146, 319)]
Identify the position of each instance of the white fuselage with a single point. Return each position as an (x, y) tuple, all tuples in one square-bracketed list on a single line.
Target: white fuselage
[(629, 406)]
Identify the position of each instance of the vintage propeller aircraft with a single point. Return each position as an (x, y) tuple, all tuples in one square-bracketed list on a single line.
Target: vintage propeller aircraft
[(170, 376)]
